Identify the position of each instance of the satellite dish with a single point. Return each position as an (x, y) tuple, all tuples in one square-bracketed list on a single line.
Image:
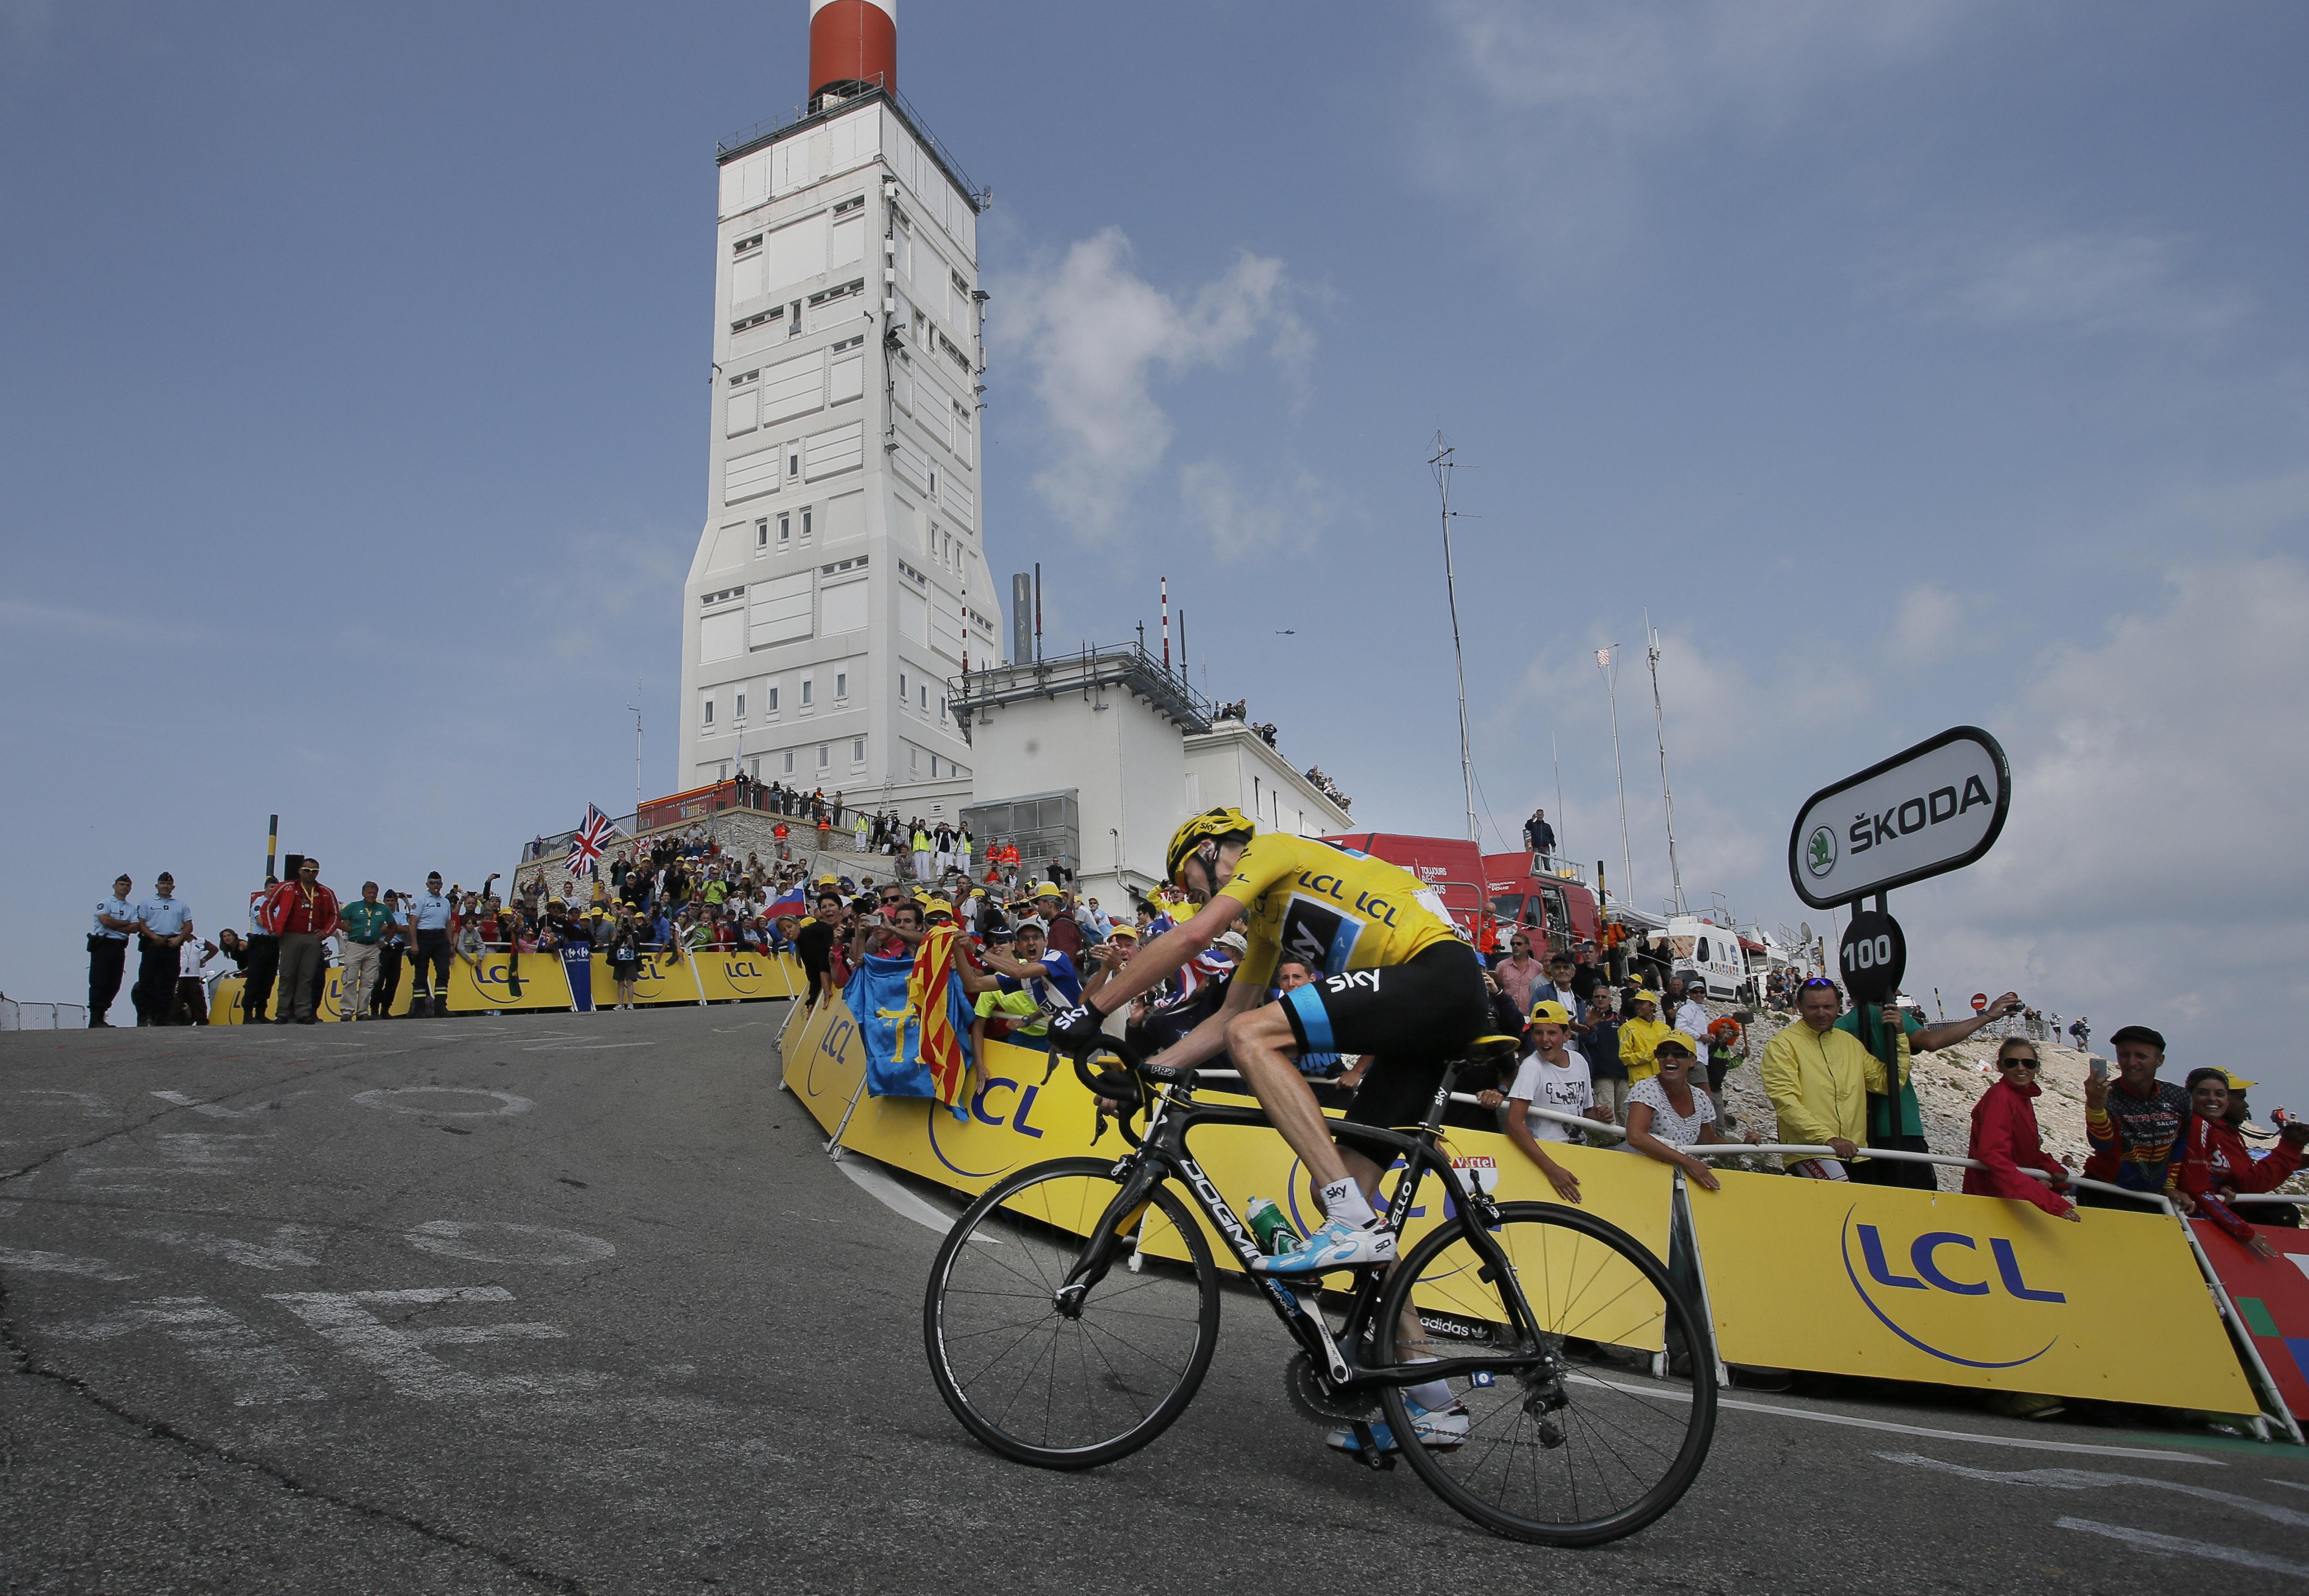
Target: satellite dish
[(1803, 929)]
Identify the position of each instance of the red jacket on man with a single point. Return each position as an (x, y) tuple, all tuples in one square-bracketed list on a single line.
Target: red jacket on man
[(2005, 1137), (294, 907)]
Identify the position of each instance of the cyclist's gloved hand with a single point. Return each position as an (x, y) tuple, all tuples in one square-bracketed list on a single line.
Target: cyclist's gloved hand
[(1077, 1030)]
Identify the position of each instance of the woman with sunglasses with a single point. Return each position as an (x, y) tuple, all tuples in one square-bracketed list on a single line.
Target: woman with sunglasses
[(2005, 1139), (1666, 1116), (2213, 1165)]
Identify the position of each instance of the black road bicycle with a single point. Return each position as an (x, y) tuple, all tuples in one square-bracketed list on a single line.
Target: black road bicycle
[(1073, 1308)]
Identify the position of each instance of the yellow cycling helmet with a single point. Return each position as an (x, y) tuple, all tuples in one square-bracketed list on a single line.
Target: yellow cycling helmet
[(1211, 825)]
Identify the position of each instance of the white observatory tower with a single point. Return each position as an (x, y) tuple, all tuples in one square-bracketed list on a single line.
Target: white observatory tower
[(841, 577)]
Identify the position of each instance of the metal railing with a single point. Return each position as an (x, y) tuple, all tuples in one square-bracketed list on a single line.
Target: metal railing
[(819, 108), (2275, 1413), (18, 1015)]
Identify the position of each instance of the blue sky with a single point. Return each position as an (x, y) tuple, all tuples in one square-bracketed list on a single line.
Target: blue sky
[(1912, 364)]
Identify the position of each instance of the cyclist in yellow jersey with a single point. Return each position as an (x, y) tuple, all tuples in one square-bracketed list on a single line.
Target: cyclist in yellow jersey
[(1397, 982)]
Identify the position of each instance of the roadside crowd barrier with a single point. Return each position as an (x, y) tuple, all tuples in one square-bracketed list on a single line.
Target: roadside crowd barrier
[(1828, 1277), (548, 983)]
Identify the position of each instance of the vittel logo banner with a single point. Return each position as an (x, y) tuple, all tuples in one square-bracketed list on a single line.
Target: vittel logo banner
[(1936, 806)]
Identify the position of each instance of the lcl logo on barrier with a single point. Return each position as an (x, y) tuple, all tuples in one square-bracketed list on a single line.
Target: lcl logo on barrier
[(1940, 1263), (1015, 1113)]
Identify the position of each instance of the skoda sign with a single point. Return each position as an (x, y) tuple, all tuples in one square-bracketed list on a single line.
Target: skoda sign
[(1936, 806)]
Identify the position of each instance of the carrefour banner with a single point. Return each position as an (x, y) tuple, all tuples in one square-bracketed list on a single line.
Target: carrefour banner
[(1958, 1291)]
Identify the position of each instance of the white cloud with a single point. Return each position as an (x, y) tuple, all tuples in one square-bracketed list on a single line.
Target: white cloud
[(1625, 68), (1096, 335), (1570, 99), (1926, 619), (2151, 869), (2086, 283), (1239, 522)]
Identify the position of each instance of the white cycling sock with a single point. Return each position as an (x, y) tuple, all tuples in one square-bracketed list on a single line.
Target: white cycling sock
[(1344, 1201), (1434, 1396)]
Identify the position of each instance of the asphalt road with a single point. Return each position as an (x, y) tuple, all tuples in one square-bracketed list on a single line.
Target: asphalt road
[(577, 1303)]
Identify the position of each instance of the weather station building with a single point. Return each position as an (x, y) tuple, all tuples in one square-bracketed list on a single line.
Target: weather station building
[(840, 578)]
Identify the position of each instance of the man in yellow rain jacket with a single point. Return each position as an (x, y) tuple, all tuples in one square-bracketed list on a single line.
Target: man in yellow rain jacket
[(1819, 1079), (1643, 1031)]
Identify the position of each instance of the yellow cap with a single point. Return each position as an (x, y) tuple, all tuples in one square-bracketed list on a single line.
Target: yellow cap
[(1640, 995), (828, 879), (1550, 1013), (2238, 1083), (1677, 1039), (937, 906), (1048, 889), (1129, 931)]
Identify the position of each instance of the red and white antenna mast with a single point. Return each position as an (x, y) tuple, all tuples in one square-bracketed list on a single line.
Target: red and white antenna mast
[(1167, 623)]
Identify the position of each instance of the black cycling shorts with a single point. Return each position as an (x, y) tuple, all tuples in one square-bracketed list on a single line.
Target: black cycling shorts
[(1415, 1016)]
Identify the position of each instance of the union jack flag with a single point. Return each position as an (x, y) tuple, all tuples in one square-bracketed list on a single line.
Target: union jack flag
[(586, 845)]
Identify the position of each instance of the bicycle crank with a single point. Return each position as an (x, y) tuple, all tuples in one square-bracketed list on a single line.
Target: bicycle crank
[(1317, 1399)]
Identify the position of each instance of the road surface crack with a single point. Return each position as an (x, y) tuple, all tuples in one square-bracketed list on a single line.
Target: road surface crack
[(25, 1366)]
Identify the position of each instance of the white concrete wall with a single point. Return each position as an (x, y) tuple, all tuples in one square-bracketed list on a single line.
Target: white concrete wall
[(1125, 762), (1231, 764)]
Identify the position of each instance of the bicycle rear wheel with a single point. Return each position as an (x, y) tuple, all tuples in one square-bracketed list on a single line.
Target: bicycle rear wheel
[(1069, 1389), (1609, 1429)]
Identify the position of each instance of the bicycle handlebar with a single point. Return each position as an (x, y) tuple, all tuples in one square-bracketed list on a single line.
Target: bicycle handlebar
[(1123, 1087)]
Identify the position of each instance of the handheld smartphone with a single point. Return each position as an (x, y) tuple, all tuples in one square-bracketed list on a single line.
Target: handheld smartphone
[(2097, 1068)]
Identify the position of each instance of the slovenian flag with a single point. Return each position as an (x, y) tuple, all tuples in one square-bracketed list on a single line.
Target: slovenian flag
[(791, 904)]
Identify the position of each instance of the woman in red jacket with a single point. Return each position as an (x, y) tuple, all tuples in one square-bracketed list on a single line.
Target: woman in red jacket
[(2212, 1165), (2004, 1137)]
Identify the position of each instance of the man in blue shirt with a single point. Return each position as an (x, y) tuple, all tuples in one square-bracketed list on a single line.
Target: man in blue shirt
[(163, 925), (430, 917), (1049, 979), (107, 951)]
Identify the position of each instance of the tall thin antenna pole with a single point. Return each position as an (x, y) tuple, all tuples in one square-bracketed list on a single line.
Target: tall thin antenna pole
[(1166, 625), (1443, 466), (636, 707), (1560, 818), (1184, 675), (1038, 612), (1606, 658), (1659, 730)]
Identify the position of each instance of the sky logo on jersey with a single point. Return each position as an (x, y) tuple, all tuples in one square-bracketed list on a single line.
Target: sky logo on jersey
[(1318, 934)]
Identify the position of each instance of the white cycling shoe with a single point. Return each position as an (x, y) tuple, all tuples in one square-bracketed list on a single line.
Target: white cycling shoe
[(1441, 1430), (1337, 1245)]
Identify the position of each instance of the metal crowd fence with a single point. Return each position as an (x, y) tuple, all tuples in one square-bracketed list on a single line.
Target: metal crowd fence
[(2274, 1413), (18, 1015)]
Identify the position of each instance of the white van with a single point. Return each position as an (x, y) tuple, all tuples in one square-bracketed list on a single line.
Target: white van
[(1712, 953)]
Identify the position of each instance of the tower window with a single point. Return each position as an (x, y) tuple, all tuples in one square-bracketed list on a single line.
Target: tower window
[(741, 704), (805, 691), (823, 751), (858, 750), (785, 530), (841, 684), (762, 533)]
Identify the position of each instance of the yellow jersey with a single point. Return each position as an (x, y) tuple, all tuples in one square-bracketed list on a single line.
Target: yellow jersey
[(1334, 907)]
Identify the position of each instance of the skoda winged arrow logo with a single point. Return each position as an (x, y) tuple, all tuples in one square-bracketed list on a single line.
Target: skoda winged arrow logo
[(1820, 852)]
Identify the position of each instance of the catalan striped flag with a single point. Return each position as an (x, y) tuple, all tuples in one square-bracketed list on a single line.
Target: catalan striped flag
[(934, 992)]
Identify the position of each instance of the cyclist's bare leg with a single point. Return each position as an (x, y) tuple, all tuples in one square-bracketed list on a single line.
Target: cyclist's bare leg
[(1411, 1335), (1262, 1045)]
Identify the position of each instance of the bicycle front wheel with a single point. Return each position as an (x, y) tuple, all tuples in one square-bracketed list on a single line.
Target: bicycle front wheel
[(1610, 1426), (1075, 1383)]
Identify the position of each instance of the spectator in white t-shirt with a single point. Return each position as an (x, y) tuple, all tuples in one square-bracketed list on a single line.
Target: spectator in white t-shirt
[(1666, 1114), (1553, 1075)]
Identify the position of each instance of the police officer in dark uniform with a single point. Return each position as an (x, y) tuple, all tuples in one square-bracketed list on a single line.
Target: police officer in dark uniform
[(163, 924), (264, 957), (107, 951), (430, 924)]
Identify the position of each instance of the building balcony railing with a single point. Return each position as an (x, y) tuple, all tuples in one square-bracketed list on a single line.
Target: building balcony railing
[(820, 108)]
